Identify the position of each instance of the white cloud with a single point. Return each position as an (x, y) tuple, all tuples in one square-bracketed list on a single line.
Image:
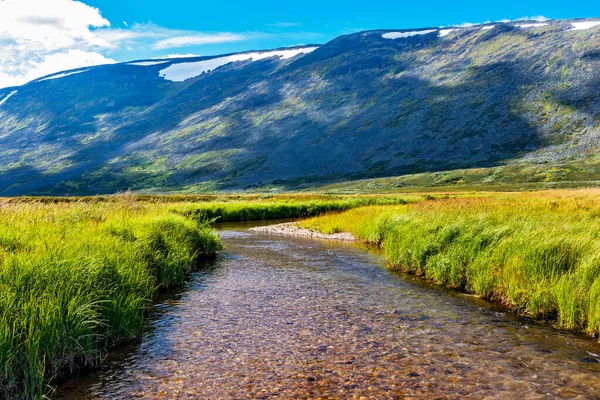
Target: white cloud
[(195, 40), (64, 61), (53, 63), (284, 24), (470, 24), (155, 37), (55, 24), (40, 37), (537, 18)]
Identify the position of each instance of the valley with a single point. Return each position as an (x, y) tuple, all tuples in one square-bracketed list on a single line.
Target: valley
[(508, 98)]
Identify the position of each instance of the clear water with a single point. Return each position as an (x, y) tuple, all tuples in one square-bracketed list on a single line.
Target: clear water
[(281, 317)]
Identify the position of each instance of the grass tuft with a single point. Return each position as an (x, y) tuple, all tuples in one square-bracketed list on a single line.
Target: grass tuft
[(77, 278), (538, 253)]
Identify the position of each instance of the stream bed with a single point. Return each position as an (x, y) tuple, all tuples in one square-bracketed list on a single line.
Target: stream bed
[(285, 317)]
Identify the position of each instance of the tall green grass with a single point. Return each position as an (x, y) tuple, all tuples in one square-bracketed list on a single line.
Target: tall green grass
[(538, 253), (78, 278), (279, 208), (78, 275)]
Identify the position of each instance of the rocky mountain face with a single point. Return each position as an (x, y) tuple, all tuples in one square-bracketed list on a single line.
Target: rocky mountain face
[(370, 104)]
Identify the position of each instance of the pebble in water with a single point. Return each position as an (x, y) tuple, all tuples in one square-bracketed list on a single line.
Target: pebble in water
[(284, 317)]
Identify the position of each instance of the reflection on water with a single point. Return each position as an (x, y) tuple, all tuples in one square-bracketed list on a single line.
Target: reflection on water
[(281, 317)]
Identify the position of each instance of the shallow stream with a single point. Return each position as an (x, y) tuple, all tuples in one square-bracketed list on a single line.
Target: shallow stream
[(285, 317)]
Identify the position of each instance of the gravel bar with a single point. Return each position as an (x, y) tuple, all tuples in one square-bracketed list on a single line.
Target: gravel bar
[(292, 229)]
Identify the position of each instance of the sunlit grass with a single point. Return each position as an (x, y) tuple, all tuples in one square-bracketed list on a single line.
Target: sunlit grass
[(282, 207), (78, 275), (77, 278), (538, 253)]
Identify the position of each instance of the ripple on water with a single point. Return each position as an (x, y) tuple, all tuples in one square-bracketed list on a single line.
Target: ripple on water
[(288, 317)]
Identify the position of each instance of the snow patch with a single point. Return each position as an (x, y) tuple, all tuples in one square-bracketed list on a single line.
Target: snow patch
[(580, 26), (182, 71), (487, 28), (63, 75), (11, 94), (147, 63), (400, 35), (446, 32), (531, 25)]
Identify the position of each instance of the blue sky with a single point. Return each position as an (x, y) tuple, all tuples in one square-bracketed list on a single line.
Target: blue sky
[(270, 24), (40, 37)]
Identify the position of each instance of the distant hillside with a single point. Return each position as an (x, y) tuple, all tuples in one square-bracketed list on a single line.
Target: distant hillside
[(370, 104)]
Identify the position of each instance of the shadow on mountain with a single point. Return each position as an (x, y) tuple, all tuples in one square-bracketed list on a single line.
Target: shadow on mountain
[(358, 107)]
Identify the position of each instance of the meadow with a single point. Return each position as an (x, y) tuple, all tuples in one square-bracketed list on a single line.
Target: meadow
[(78, 275), (538, 252), (78, 278)]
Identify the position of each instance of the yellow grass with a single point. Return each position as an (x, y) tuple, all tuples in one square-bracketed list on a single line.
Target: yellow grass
[(538, 252)]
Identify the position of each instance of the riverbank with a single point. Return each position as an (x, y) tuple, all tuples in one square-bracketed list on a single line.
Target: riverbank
[(78, 275), (538, 253), (283, 317), (78, 278)]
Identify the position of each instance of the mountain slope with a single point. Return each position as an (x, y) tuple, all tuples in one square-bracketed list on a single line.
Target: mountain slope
[(377, 103)]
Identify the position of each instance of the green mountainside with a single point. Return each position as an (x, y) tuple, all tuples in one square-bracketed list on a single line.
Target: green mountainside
[(517, 96)]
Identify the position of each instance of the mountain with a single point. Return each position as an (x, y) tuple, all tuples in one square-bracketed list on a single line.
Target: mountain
[(370, 104)]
